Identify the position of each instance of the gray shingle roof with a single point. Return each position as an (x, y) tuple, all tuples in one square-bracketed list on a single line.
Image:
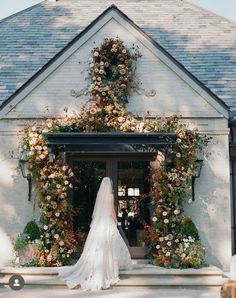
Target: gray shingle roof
[(204, 43)]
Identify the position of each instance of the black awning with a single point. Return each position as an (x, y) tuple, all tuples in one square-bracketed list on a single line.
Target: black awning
[(113, 142)]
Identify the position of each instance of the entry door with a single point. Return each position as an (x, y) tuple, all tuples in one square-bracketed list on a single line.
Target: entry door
[(130, 178)]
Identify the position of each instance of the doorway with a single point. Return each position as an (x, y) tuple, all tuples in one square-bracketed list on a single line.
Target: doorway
[(130, 176)]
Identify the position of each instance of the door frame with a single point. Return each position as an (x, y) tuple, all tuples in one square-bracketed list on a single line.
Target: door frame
[(111, 161)]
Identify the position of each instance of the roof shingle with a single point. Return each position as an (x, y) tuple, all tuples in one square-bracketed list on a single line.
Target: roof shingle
[(204, 43)]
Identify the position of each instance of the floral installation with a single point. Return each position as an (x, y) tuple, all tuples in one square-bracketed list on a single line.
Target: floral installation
[(112, 74), (176, 243)]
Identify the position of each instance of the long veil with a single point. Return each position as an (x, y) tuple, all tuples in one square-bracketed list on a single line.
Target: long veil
[(104, 204), (104, 250)]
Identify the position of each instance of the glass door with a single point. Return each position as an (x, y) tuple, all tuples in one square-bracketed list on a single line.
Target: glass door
[(88, 176), (130, 178), (133, 204)]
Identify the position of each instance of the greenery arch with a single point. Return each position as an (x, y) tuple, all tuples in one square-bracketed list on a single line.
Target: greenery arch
[(174, 240)]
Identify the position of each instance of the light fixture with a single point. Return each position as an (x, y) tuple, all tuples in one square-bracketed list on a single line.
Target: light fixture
[(196, 174), (24, 167)]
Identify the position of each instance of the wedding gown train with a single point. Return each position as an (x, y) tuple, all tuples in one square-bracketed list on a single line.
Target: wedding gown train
[(105, 251)]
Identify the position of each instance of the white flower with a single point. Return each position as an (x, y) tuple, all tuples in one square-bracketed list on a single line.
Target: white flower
[(166, 221), (154, 219), (164, 213), (124, 51), (61, 243), (190, 201), (57, 214), (96, 54), (56, 236), (177, 211), (161, 239), (169, 243), (33, 128), (178, 155), (157, 246), (176, 240), (66, 182), (168, 254), (45, 227), (183, 255)]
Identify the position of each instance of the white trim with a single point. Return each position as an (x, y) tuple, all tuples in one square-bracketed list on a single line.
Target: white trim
[(99, 24), (187, 115)]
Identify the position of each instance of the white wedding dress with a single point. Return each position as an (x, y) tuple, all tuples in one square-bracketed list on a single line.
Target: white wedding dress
[(105, 251)]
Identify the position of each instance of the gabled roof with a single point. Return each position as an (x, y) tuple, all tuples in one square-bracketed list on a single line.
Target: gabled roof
[(205, 44)]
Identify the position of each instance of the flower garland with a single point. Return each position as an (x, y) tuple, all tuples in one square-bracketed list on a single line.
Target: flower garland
[(174, 238), (57, 240), (112, 71)]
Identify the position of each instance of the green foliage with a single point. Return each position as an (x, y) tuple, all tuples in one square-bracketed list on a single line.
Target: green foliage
[(31, 233), (32, 230), (21, 242), (196, 253), (189, 229)]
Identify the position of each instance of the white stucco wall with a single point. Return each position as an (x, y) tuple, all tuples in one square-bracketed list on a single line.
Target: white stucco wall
[(211, 209)]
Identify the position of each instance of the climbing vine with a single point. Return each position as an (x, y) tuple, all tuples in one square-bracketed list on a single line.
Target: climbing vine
[(174, 240)]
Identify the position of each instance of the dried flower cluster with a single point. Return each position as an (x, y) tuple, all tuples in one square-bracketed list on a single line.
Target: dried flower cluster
[(57, 240), (112, 72), (177, 242)]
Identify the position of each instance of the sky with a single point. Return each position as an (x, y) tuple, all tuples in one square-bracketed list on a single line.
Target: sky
[(226, 8)]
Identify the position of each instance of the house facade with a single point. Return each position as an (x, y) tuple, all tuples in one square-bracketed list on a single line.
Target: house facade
[(45, 66)]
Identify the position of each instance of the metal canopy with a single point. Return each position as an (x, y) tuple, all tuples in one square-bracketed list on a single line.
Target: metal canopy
[(113, 142)]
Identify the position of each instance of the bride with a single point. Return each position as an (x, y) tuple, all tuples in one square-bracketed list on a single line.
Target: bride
[(105, 251)]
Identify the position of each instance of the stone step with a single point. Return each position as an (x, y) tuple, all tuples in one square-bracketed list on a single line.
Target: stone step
[(140, 275)]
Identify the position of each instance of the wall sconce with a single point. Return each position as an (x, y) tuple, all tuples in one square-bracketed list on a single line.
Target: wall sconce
[(196, 174), (24, 167)]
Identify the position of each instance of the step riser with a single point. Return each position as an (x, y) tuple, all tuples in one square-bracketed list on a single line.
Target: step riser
[(131, 281), (141, 275)]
